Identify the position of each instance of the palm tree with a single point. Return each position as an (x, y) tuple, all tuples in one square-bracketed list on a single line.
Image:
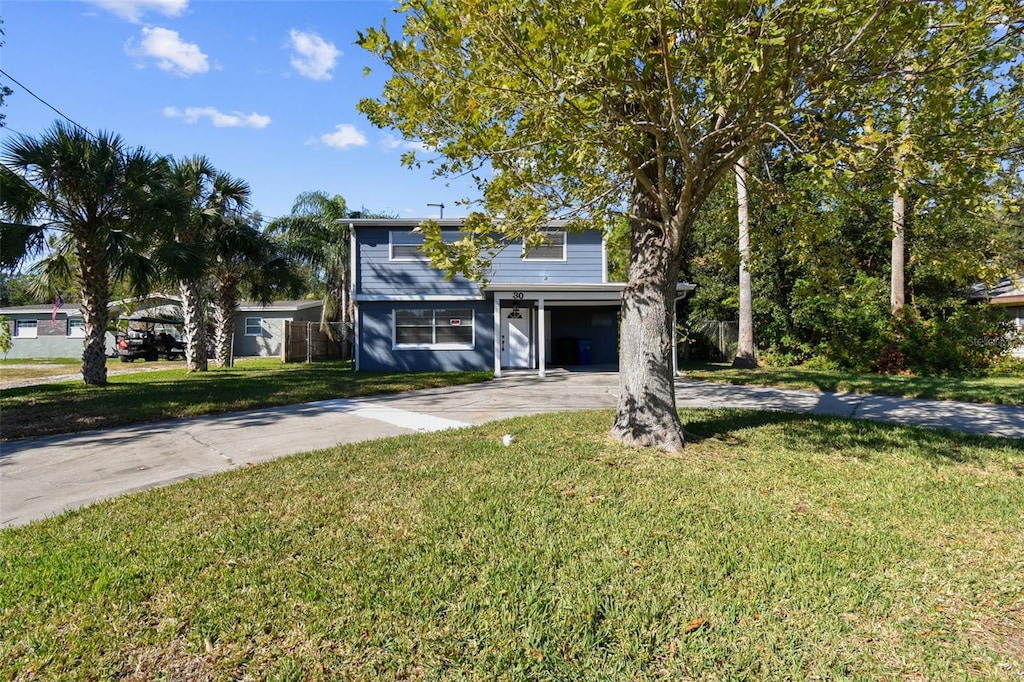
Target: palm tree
[(244, 260), (317, 235), (99, 199), (211, 200)]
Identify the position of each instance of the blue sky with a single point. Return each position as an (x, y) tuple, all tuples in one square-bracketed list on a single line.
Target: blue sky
[(266, 89)]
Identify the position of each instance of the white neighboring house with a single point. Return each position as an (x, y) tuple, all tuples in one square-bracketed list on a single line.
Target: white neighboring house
[(38, 332), (1008, 294)]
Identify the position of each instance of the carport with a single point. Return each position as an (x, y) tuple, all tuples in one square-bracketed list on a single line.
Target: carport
[(542, 325)]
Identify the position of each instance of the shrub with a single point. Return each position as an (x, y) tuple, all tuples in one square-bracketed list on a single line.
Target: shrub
[(960, 339)]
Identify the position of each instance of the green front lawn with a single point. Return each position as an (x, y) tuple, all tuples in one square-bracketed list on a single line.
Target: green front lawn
[(1003, 390), (778, 547), (172, 393)]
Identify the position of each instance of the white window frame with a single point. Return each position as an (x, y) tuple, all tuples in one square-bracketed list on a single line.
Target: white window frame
[(565, 241), (76, 328), (22, 327), (445, 312), (418, 255), (248, 324)]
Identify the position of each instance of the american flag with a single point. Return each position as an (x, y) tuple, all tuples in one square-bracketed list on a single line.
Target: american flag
[(58, 303)]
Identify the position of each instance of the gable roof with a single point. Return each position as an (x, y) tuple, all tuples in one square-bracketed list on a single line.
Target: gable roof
[(1007, 291), (283, 306)]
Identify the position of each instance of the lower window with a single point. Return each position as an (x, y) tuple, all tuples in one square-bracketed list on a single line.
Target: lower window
[(436, 328), (254, 326), (26, 329), (76, 328)]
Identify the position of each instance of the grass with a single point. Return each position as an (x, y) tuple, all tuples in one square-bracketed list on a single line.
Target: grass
[(171, 393), (778, 547), (1002, 390), (16, 370)]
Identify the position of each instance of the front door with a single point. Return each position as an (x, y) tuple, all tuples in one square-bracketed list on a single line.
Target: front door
[(515, 332)]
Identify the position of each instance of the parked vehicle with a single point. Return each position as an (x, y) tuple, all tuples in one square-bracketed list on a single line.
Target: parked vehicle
[(150, 339)]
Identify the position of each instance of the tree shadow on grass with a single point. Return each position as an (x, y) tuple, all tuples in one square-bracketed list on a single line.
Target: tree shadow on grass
[(864, 440)]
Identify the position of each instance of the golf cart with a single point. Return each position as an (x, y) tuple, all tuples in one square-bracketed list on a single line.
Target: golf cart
[(150, 338)]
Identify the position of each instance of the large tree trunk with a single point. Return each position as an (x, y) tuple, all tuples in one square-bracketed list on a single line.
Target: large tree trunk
[(745, 357), (646, 414), (94, 279), (195, 328), (897, 284), (897, 295), (224, 323)]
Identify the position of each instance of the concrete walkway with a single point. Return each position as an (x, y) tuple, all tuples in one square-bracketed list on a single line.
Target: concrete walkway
[(40, 477)]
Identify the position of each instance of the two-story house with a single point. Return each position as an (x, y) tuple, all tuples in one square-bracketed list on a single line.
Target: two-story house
[(548, 306)]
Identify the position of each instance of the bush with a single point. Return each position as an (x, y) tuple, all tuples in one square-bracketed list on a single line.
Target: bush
[(961, 339)]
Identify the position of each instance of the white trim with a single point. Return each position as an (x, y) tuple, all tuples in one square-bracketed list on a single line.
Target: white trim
[(78, 328), (414, 298), (419, 258), (496, 323), (29, 324), (432, 346), (541, 359), (554, 288), (565, 248), (353, 259), (357, 330), (245, 327), (604, 258)]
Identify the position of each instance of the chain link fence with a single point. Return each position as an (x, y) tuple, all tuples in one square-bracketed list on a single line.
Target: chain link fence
[(712, 340)]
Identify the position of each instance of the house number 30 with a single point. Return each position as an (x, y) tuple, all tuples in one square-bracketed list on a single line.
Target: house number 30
[(518, 295)]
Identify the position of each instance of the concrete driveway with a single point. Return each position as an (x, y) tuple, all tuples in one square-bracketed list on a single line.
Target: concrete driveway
[(40, 477)]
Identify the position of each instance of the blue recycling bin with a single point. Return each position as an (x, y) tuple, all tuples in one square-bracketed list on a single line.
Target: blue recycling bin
[(583, 351)]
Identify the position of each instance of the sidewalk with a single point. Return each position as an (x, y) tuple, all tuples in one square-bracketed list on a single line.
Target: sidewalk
[(40, 477)]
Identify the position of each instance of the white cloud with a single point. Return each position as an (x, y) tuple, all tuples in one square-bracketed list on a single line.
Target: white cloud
[(132, 10), (393, 142), (344, 135), (170, 52), (235, 119), (314, 57)]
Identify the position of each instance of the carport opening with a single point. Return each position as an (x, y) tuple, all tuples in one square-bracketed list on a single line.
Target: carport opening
[(584, 337)]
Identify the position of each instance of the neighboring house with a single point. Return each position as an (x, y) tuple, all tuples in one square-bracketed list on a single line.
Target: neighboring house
[(38, 332), (259, 329), (1007, 294), (552, 305)]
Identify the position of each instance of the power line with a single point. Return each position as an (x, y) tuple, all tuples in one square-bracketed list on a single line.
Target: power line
[(45, 103), (70, 120)]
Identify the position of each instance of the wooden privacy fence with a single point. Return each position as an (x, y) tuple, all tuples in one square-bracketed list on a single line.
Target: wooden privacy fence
[(304, 342)]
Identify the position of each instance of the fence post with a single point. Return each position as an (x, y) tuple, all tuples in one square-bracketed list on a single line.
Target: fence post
[(309, 342)]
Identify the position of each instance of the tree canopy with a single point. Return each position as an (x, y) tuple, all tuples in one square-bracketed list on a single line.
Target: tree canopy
[(589, 108)]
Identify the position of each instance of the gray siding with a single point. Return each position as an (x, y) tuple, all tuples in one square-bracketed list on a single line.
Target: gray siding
[(268, 343), (375, 348), (582, 265), (378, 275), (51, 341)]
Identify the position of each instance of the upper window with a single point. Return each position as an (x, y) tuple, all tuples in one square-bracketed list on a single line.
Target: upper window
[(553, 247), (26, 329), (440, 328), (254, 326), (76, 328), (407, 245)]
